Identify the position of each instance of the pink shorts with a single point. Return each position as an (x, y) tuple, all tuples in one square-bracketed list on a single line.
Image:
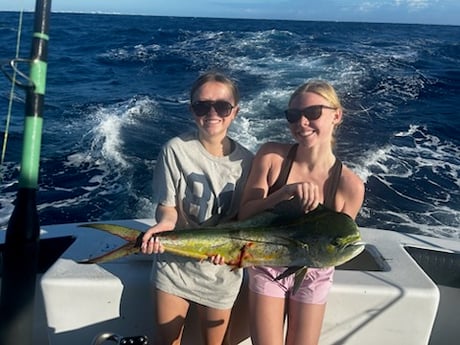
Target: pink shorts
[(314, 289)]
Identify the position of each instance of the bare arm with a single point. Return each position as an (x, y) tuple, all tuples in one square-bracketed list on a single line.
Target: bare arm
[(351, 193), (255, 192), (265, 170)]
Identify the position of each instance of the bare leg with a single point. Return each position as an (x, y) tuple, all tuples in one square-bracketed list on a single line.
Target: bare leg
[(214, 323), (304, 323), (170, 313), (238, 328), (267, 319)]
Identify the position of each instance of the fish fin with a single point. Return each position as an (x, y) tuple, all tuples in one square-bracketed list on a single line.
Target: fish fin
[(299, 271), (281, 213), (117, 253), (123, 232), (290, 270), (288, 208), (292, 208), (299, 277), (261, 219)]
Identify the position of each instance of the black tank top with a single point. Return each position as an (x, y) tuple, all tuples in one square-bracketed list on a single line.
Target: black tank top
[(332, 182)]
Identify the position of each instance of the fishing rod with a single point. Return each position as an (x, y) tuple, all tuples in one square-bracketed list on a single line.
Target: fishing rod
[(21, 249)]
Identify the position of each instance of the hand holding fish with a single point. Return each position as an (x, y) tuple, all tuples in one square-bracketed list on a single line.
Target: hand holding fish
[(166, 221), (167, 217), (217, 259), (306, 192), (151, 243)]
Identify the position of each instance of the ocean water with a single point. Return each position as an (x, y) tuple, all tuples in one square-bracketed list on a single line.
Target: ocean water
[(117, 89)]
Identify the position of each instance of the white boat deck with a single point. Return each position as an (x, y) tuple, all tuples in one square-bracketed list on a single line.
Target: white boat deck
[(381, 297)]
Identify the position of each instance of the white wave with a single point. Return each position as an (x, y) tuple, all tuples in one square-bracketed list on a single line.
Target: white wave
[(103, 163), (144, 208), (441, 222), (138, 52), (254, 126), (109, 121), (416, 157), (6, 208), (242, 131)]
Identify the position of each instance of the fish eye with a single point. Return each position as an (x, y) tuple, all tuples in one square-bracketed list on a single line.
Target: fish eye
[(335, 242)]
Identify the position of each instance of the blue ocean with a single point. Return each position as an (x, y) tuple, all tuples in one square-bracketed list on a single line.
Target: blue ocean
[(117, 89)]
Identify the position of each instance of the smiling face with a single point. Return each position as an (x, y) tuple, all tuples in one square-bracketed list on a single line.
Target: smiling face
[(211, 124), (314, 132)]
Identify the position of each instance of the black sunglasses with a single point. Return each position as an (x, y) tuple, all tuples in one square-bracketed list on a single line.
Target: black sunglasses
[(312, 112), (202, 108)]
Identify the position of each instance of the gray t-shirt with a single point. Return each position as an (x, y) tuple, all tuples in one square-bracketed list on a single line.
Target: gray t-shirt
[(206, 190)]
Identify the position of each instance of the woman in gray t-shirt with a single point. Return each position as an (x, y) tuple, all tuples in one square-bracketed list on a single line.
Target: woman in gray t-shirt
[(198, 180)]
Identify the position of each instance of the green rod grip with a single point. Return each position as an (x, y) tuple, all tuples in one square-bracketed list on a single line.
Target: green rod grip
[(30, 162)]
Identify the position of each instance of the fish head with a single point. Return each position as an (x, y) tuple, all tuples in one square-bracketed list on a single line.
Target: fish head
[(339, 239), (344, 248)]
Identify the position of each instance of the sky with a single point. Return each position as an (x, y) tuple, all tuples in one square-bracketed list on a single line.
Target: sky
[(383, 11)]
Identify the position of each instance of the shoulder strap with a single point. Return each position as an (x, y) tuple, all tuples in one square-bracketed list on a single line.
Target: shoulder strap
[(333, 184), (285, 169)]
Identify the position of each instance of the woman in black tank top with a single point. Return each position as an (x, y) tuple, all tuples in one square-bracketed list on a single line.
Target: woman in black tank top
[(309, 171)]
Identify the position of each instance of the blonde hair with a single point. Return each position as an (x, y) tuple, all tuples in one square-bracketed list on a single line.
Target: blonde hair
[(321, 88)]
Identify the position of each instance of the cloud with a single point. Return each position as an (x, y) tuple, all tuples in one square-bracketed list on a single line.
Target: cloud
[(414, 4), (368, 6), (409, 5)]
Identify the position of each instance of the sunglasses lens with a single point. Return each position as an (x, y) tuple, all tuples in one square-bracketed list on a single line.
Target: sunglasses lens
[(202, 108), (293, 115), (223, 108), (311, 113)]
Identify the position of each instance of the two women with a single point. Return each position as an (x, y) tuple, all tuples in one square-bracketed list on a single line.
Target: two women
[(199, 179)]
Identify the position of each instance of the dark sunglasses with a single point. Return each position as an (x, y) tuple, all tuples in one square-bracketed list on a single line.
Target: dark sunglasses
[(311, 113), (202, 108)]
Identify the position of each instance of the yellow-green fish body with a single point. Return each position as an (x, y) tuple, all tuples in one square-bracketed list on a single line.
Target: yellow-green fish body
[(282, 237)]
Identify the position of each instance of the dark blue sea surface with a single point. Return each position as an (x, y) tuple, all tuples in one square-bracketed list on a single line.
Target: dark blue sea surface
[(118, 86)]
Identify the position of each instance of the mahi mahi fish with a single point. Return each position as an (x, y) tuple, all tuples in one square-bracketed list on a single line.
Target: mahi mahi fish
[(282, 237)]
